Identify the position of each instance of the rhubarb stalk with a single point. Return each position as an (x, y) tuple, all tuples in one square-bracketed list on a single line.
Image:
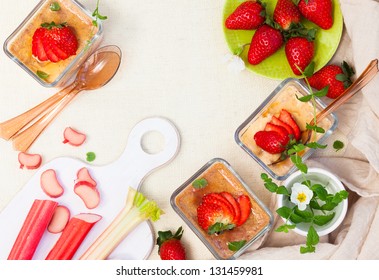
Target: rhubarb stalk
[(32, 230), (72, 236), (137, 209)]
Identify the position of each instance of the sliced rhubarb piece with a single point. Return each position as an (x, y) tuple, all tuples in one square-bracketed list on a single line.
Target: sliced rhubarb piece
[(50, 184), (88, 193), (72, 236), (32, 230), (237, 211), (286, 117), (73, 137), (245, 206), (84, 175), (289, 129), (59, 220), (29, 161)]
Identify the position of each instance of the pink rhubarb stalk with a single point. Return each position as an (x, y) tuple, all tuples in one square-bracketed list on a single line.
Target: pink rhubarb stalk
[(72, 236), (32, 230)]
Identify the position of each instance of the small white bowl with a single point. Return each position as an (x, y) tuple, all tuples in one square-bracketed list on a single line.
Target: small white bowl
[(335, 185)]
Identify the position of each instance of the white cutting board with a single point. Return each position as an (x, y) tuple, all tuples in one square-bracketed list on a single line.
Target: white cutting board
[(112, 180)]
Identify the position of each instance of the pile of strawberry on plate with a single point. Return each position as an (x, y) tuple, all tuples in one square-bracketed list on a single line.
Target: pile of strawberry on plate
[(282, 28)]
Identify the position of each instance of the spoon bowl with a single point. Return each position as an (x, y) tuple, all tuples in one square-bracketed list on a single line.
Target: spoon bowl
[(95, 72)]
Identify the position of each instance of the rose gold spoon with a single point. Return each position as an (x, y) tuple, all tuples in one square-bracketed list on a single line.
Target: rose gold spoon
[(367, 75), (94, 73)]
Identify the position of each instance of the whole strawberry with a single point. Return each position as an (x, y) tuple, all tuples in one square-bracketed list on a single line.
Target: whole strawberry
[(54, 42), (319, 12), (338, 78), (247, 16), (265, 42), (299, 52), (170, 246), (286, 13)]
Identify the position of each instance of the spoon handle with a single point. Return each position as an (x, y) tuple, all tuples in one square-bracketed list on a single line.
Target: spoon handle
[(23, 140), (12, 126)]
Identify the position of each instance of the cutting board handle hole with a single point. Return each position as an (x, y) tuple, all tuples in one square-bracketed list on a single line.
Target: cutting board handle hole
[(153, 142)]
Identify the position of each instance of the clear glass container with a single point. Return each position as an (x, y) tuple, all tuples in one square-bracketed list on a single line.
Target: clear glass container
[(18, 46), (283, 97), (221, 177)]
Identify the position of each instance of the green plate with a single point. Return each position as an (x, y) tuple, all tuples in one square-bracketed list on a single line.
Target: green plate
[(276, 66)]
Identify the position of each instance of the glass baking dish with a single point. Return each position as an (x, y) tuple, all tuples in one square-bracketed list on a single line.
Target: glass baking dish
[(221, 177)]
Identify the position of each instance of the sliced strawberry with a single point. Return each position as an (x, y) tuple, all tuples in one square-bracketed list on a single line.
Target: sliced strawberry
[(214, 217), (270, 141), (218, 199), (37, 46), (279, 129), (49, 49), (233, 202), (286, 117), (289, 129), (245, 206)]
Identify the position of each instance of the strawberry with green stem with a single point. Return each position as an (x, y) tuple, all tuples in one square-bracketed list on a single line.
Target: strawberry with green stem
[(338, 78), (319, 12), (247, 16), (286, 13), (170, 246)]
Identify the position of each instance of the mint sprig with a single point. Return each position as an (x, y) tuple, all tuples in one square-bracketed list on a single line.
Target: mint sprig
[(96, 14)]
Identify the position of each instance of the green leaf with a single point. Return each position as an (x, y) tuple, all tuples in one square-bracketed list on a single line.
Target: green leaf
[(312, 237), (305, 215), (321, 93), (54, 6), (309, 70), (329, 206), (42, 74), (96, 14), (91, 156), (315, 128), (282, 190), (321, 220), (298, 162), (320, 191), (269, 184), (315, 145), (200, 183), (314, 205), (219, 228), (305, 98), (284, 212), (338, 145), (285, 228), (308, 249), (236, 245), (341, 77)]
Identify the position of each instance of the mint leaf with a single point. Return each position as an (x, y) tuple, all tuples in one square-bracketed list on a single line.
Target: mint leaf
[(338, 145), (284, 212), (282, 190), (54, 6), (308, 249), (96, 14), (298, 162), (42, 74), (236, 245), (305, 98), (320, 191), (91, 156), (219, 228), (321, 220), (321, 93), (315, 145), (312, 237), (200, 183), (315, 128), (285, 228), (305, 215), (309, 70)]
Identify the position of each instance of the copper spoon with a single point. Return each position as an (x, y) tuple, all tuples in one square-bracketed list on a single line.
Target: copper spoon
[(367, 75), (95, 72)]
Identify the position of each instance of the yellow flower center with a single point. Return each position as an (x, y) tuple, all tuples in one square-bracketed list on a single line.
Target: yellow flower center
[(301, 197)]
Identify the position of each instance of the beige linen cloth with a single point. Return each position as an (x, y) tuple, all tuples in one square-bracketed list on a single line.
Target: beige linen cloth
[(358, 165)]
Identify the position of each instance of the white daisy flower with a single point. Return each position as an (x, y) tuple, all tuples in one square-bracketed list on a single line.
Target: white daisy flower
[(301, 195)]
